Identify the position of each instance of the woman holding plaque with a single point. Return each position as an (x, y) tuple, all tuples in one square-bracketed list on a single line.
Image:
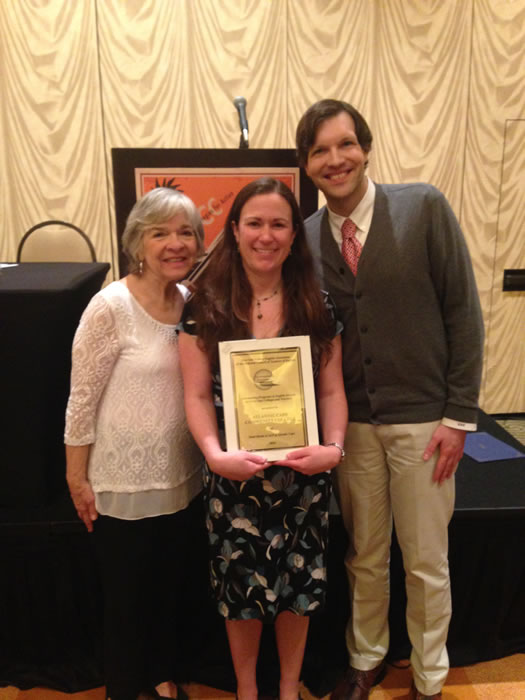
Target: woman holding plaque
[(133, 469), (267, 522)]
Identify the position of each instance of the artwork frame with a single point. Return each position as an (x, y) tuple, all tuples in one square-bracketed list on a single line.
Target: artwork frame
[(134, 169)]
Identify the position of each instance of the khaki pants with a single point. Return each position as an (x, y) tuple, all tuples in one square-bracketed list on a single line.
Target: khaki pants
[(382, 477)]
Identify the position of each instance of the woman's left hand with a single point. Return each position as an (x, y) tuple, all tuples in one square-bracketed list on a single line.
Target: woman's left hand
[(313, 459)]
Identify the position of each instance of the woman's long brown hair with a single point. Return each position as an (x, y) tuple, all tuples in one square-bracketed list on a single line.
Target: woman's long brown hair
[(223, 295)]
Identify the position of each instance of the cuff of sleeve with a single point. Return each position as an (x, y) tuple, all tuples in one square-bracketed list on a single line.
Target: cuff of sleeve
[(459, 425)]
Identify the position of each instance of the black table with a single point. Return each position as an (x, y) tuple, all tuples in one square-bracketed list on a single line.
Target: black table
[(48, 588), (487, 556), (40, 307), (491, 489)]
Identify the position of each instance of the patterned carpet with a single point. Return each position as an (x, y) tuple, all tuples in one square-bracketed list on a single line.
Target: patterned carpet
[(515, 426), (493, 680), (503, 679)]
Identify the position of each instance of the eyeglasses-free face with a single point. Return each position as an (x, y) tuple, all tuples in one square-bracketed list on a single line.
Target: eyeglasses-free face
[(336, 164), (264, 233), (169, 250)]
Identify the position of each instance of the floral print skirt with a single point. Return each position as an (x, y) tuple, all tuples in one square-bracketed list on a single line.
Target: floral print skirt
[(268, 540)]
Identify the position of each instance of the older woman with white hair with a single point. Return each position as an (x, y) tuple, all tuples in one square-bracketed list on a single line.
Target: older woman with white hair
[(133, 470)]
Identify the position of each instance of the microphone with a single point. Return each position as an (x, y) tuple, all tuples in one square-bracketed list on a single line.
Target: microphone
[(240, 106)]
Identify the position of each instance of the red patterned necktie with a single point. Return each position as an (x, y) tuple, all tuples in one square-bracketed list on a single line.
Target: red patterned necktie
[(351, 247)]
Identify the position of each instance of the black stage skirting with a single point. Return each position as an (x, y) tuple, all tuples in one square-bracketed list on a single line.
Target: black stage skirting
[(50, 599)]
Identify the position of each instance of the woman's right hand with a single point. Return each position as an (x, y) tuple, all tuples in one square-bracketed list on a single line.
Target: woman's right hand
[(239, 465), (84, 501)]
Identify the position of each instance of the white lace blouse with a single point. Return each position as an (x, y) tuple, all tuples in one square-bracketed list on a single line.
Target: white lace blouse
[(127, 402)]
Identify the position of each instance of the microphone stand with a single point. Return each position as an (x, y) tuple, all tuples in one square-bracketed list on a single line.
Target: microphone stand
[(240, 106), (204, 261)]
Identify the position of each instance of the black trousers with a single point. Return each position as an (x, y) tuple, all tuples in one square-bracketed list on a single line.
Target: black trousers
[(153, 576)]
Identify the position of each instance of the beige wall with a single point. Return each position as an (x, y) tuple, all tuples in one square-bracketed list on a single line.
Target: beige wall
[(442, 84)]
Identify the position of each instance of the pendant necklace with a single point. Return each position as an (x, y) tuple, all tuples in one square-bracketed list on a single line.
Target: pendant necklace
[(259, 302)]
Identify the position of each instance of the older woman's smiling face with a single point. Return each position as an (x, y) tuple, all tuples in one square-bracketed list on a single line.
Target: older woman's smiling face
[(264, 233), (169, 249)]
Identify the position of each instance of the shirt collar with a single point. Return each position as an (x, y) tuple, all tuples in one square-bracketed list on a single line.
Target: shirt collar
[(362, 214)]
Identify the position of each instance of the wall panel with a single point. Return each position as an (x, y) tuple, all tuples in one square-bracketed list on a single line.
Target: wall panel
[(330, 54), (170, 71), (505, 348), (52, 160), (420, 93), (497, 94)]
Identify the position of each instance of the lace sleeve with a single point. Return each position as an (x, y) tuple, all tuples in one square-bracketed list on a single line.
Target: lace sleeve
[(95, 349)]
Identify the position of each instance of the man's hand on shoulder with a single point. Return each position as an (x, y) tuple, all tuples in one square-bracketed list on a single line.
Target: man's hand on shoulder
[(450, 443)]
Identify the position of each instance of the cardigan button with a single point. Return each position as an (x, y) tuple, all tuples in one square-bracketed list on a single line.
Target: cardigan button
[(364, 329), (368, 360), (341, 270), (358, 295)]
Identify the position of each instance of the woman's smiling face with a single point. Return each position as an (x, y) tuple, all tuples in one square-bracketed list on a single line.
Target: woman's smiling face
[(169, 249), (264, 233)]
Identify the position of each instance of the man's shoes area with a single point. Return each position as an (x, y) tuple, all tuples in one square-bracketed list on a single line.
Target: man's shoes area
[(356, 685), (416, 695)]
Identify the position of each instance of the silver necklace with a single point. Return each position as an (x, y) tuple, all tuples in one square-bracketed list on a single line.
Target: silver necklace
[(258, 302)]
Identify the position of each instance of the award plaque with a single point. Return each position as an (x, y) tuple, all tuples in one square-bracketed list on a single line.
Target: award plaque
[(269, 396)]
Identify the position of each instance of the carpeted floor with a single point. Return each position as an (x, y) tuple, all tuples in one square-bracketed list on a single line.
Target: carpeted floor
[(515, 425), (503, 679)]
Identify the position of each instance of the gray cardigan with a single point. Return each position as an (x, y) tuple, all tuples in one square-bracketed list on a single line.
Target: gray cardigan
[(413, 331)]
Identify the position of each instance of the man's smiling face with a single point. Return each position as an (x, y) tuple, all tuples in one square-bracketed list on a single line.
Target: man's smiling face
[(336, 164)]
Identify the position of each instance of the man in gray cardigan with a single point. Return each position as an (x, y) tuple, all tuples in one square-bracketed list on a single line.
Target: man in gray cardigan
[(412, 355)]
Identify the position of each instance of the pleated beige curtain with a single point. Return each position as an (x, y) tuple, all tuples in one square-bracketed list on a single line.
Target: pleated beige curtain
[(442, 84)]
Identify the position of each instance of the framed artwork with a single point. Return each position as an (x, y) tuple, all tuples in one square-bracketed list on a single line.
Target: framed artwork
[(210, 177)]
